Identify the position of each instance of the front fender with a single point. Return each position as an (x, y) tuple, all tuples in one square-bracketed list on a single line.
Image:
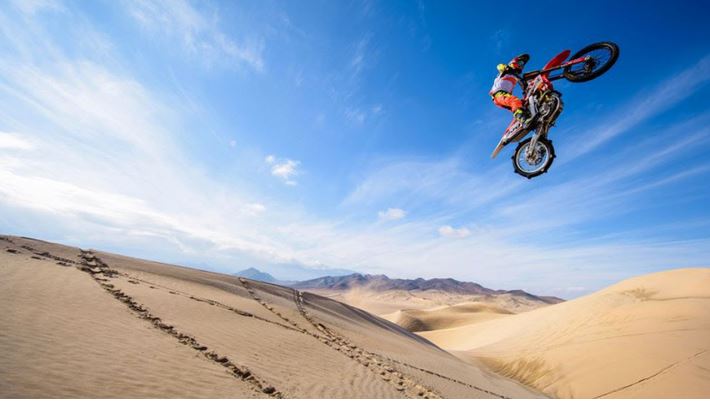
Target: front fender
[(500, 146)]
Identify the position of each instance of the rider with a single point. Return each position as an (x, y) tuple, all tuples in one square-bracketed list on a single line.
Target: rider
[(502, 90)]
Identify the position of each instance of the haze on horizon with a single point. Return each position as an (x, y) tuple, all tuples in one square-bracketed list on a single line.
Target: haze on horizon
[(323, 137)]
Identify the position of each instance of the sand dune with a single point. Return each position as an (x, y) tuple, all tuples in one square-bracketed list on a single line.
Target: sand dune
[(418, 320), (648, 337), (388, 303), (92, 324)]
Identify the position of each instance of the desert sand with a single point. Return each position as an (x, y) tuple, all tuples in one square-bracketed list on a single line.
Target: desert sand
[(646, 337), (431, 309), (83, 323), (445, 317)]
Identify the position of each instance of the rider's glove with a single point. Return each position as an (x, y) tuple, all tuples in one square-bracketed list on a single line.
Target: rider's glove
[(501, 68)]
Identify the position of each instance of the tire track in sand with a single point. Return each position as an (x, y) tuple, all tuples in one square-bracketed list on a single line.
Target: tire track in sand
[(298, 298), (102, 274), (660, 372), (386, 372), (136, 280), (404, 384), (376, 363)]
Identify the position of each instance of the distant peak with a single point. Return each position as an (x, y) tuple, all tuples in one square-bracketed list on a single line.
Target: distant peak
[(256, 274)]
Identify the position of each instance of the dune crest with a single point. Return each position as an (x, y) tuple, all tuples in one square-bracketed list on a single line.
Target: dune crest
[(647, 336)]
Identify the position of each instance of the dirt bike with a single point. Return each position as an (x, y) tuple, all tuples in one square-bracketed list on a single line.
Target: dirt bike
[(534, 155)]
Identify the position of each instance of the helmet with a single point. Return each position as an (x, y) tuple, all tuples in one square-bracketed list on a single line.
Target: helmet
[(518, 62)]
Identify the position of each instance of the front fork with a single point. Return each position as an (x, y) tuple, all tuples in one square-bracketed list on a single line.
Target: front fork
[(543, 127), (531, 152), (541, 130)]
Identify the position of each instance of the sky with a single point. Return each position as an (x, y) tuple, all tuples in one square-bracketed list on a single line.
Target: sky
[(321, 137)]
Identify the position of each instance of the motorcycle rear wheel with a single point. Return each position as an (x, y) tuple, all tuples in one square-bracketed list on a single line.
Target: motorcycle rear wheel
[(535, 168), (603, 55)]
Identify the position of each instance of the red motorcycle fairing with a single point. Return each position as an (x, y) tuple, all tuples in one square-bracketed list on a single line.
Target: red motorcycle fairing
[(557, 60)]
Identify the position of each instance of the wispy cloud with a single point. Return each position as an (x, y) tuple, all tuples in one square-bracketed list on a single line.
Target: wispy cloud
[(355, 115), (31, 7), (532, 232), (451, 232), (14, 141), (100, 153), (442, 182), (644, 106), (359, 61), (391, 214), (254, 208), (347, 83), (500, 39), (359, 115), (199, 34), (89, 145)]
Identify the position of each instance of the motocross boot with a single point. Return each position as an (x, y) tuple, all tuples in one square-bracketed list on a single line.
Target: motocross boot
[(522, 116)]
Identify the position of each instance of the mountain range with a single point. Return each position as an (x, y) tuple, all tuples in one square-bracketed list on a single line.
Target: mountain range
[(382, 283)]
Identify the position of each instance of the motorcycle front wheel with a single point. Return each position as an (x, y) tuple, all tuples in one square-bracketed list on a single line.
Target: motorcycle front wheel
[(532, 163), (601, 55)]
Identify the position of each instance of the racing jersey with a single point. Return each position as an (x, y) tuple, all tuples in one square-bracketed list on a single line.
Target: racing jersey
[(504, 82)]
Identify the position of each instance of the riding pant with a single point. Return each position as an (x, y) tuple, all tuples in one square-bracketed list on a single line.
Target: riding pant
[(507, 100)]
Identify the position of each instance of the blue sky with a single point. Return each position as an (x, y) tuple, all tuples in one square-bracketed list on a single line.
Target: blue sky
[(309, 137)]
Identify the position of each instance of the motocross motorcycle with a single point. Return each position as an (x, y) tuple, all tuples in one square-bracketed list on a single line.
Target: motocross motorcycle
[(534, 154)]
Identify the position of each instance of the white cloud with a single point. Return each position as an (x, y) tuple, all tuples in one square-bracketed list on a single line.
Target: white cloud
[(451, 232), (199, 34), (232, 143), (392, 214), (284, 169), (14, 141)]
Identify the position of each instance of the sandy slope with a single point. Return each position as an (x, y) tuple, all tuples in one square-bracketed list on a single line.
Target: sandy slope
[(648, 336), (91, 324), (428, 310), (467, 313)]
